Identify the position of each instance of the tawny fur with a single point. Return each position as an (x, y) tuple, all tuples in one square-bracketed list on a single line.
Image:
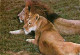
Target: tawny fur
[(67, 27), (50, 42)]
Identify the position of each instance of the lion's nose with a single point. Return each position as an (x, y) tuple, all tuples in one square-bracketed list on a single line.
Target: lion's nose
[(18, 15)]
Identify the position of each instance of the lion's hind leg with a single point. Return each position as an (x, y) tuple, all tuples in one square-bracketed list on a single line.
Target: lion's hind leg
[(31, 41)]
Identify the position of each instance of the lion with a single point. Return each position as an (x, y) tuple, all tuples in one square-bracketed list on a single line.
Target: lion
[(48, 39), (64, 26)]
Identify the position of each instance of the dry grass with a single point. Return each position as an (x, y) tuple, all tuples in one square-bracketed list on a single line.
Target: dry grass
[(68, 9)]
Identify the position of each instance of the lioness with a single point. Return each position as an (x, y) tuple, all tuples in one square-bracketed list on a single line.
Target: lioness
[(50, 42), (64, 26)]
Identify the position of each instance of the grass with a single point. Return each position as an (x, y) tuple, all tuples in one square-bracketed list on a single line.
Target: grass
[(68, 9)]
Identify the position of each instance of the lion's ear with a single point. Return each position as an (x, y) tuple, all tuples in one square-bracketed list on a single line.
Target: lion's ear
[(37, 16)]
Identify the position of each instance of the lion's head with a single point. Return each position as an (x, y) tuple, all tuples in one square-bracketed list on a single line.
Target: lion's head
[(33, 7), (31, 24)]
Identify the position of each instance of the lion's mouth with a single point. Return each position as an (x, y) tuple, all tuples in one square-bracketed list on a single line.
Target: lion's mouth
[(29, 30), (26, 32)]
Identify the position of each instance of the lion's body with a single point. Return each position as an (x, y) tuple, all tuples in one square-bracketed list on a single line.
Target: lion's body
[(67, 27), (50, 42), (64, 26)]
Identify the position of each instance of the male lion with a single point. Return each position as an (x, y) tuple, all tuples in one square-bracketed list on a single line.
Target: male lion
[(64, 26), (50, 42)]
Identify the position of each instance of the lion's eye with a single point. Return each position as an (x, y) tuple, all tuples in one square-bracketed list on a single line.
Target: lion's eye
[(29, 23)]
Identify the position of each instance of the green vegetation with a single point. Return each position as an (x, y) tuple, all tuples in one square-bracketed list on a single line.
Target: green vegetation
[(68, 9)]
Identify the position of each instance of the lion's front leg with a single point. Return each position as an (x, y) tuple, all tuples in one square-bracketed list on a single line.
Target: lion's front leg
[(32, 41), (21, 31)]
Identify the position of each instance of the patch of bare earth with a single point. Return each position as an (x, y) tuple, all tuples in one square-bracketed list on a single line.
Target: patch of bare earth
[(18, 53)]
